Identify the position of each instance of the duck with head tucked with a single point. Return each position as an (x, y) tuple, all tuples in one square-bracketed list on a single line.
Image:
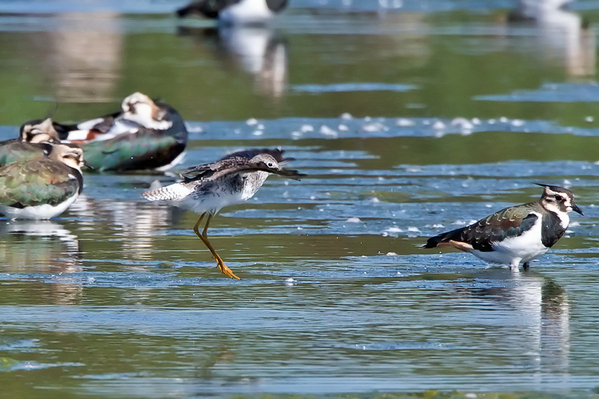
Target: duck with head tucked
[(143, 135)]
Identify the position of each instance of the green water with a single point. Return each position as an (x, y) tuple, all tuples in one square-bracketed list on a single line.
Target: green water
[(118, 298)]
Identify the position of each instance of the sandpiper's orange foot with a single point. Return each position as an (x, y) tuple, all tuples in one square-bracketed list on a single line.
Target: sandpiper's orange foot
[(224, 269)]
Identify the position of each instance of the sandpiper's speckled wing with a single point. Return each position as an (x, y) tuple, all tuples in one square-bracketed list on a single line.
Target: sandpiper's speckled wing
[(238, 158), (506, 223), (276, 153), (14, 151), (38, 182), (234, 164), (144, 149)]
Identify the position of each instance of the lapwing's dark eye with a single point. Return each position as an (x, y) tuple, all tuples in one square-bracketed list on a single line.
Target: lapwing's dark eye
[(560, 198)]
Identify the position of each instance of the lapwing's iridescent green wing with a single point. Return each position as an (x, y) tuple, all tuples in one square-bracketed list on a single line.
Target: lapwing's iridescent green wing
[(506, 223), (14, 151), (37, 182)]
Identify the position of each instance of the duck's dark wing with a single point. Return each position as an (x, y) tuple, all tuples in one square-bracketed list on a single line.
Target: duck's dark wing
[(144, 149), (38, 182), (506, 223), (208, 8)]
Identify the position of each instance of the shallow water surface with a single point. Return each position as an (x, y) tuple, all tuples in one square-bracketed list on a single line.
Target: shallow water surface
[(408, 121)]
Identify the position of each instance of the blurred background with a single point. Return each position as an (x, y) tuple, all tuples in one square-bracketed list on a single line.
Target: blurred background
[(410, 117)]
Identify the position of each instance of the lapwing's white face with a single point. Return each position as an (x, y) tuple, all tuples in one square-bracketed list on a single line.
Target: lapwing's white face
[(70, 156), (559, 200)]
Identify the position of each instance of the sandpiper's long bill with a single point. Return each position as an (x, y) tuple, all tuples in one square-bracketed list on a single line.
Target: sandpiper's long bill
[(234, 179), (516, 234)]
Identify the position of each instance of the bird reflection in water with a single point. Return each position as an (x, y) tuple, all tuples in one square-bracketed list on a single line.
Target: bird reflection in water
[(83, 57), (543, 306), (562, 34), (136, 224), (42, 246), (259, 51)]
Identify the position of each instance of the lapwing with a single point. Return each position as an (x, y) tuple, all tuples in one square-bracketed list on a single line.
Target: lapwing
[(516, 234), (42, 188), (207, 188), (232, 12), (33, 142), (143, 135)]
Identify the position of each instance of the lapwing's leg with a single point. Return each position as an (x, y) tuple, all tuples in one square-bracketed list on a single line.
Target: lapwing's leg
[(204, 237)]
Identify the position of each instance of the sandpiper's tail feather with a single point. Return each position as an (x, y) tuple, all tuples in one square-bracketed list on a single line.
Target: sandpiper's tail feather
[(174, 192)]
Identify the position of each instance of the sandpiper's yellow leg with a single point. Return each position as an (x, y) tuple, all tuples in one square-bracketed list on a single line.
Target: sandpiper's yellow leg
[(204, 237)]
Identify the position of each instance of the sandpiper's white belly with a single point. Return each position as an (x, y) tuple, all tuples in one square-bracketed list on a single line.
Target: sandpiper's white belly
[(45, 211), (209, 203), (246, 11)]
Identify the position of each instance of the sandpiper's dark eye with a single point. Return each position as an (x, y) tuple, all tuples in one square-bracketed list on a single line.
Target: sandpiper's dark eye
[(270, 165)]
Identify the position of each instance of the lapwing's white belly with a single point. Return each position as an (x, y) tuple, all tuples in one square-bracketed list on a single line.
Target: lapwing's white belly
[(523, 248), (45, 211), (246, 11), (215, 200)]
